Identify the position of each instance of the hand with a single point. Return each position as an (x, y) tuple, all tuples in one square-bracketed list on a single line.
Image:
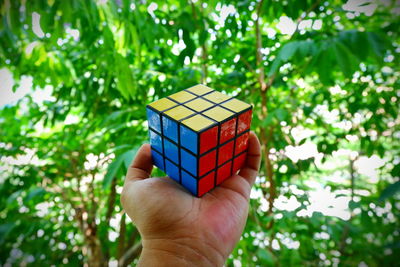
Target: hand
[(178, 229)]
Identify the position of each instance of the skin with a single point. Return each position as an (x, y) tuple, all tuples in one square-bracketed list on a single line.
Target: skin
[(178, 229)]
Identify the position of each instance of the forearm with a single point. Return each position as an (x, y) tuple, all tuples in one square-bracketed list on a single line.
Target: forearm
[(173, 253)]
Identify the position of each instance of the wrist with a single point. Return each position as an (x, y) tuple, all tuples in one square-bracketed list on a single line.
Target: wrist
[(179, 252)]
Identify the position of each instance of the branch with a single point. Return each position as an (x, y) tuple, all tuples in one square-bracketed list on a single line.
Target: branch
[(346, 230), (130, 255), (260, 65), (111, 201), (204, 53), (266, 136), (131, 240), (121, 238)]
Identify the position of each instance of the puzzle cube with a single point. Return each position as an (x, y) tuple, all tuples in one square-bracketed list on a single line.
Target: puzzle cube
[(199, 136)]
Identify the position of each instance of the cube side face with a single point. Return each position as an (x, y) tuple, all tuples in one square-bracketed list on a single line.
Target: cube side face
[(189, 139), (170, 128), (224, 172), (208, 139), (158, 159), (189, 162), (156, 141), (172, 170), (242, 143), (154, 119), (206, 183), (190, 182), (244, 121), (225, 152), (238, 162), (199, 137), (171, 151), (228, 130), (207, 162)]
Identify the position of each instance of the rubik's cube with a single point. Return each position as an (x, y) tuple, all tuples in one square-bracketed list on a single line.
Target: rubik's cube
[(199, 136)]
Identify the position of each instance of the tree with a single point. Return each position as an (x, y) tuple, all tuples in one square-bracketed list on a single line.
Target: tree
[(327, 69)]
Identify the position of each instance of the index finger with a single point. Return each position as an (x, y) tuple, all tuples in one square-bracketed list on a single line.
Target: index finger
[(141, 165), (253, 159)]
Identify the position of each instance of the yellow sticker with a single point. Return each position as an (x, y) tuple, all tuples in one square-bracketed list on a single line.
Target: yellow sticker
[(216, 97), (236, 105), (199, 104), (182, 96), (179, 112), (199, 89), (162, 104), (197, 122), (219, 114)]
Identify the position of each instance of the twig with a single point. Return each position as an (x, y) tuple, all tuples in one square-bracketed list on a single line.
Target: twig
[(130, 255), (121, 237)]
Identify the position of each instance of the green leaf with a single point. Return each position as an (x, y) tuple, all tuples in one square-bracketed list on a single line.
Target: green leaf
[(306, 48), (281, 114), (390, 191), (5, 229), (324, 61), (275, 66), (126, 83), (14, 196), (34, 192), (266, 257), (395, 172), (377, 44), (288, 50), (190, 45), (353, 205), (344, 58), (268, 120), (112, 170), (128, 157), (285, 53)]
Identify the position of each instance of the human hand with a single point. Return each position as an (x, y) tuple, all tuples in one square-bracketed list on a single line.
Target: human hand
[(178, 229)]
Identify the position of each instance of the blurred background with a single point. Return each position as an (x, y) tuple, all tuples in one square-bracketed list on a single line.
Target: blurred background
[(323, 77)]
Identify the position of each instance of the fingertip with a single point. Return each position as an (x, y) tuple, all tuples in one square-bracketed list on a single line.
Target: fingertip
[(253, 139), (253, 159), (141, 165)]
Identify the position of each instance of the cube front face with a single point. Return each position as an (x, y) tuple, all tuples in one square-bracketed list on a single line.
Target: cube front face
[(199, 137)]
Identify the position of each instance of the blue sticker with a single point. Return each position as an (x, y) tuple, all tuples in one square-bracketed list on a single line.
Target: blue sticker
[(189, 162), (189, 182), (189, 139), (172, 170), (154, 119), (170, 129), (155, 141), (171, 151), (157, 159)]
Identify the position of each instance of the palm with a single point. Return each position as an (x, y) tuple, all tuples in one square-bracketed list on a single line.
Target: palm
[(220, 215), (162, 209)]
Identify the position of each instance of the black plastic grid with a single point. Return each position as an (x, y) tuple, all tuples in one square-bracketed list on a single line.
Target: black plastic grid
[(199, 156), (198, 133), (207, 173)]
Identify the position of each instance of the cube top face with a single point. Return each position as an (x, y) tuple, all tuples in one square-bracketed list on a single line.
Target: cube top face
[(217, 97), (218, 113), (199, 104), (198, 122), (199, 136), (178, 113), (236, 105), (199, 89), (182, 96), (162, 104)]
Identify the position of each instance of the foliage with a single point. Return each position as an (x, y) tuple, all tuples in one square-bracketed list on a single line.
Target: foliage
[(320, 74)]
